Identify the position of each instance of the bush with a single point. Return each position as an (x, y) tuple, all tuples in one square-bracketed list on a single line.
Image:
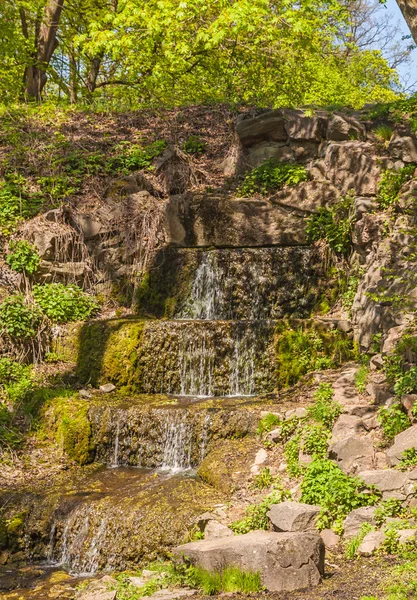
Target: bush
[(334, 225), (133, 157), (325, 410), (337, 493), (408, 459), (19, 319), (272, 176), (393, 421), (23, 257), (15, 380), (194, 145), (384, 132), (353, 545), (64, 303), (391, 184), (406, 383)]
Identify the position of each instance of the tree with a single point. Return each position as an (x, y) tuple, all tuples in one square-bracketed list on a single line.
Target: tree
[(409, 10)]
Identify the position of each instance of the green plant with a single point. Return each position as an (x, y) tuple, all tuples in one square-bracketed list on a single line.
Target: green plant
[(348, 296), (291, 453), (264, 479), (194, 145), (267, 423), (325, 409), (15, 380), (337, 493), (64, 303), (408, 459), (391, 183), (406, 383), (384, 132), (391, 541), (256, 514), (23, 257), (316, 440), (234, 580), (334, 225), (391, 507), (353, 545), (288, 427), (16, 203), (271, 176), (393, 420), (360, 378), (18, 318), (133, 157)]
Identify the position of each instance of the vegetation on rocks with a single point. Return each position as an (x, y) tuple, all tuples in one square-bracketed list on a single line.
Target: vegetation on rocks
[(271, 176)]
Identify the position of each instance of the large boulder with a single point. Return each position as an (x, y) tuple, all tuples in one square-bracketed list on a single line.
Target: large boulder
[(403, 147), (353, 453), (286, 561), (269, 126), (402, 442), (355, 519), (392, 483), (293, 516), (344, 128), (305, 128)]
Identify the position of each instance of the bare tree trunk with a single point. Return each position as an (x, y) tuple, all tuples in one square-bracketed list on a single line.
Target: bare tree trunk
[(72, 76), (45, 45), (409, 10), (93, 74)]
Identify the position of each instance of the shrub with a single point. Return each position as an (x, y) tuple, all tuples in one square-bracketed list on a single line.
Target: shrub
[(194, 145), (337, 493), (23, 257), (334, 225), (325, 410), (64, 303), (406, 383), (408, 459), (388, 508), (271, 176), (264, 479), (133, 157), (391, 183), (19, 319), (393, 421), (361, 377)]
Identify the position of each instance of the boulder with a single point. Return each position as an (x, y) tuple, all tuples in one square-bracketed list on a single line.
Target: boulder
[(307, 196), (214, 530), (300, 413), (403, 147), (171, 594), (404, 440), (293, 516), (204, 519), (305, 128), (344, 128), (353, 454), (259, 153), (345, 426), (363, 205), (286, 561), (408, 401), (355, 519), (269, 126), (274, 436), (261, 457), (107, 388), (371, 542), (388, 481), (330, 538), (406, 535)]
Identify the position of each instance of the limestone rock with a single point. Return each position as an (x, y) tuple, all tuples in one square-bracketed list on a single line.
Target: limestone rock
[(345, 426), (286, 561), (261, 457), (305, 128), (404, 440), (204, 519), (344, 128), (403, 147), (293, 516), (275, 435), (214, 530), (269, 126), (389, 481), (107, 388), (353, 454), (300, 413), (355, 519), (406, 535), (330, 538), (307, 196), (259, 153), (371, 542)]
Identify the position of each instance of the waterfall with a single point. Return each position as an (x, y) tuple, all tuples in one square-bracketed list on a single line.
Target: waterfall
[(196, 359), (115, 462), (207, 291), (178, 441)]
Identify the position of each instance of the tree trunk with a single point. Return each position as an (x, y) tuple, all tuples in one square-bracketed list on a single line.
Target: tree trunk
[(73, 76), (91, 81), (409, 10), (45, 45)]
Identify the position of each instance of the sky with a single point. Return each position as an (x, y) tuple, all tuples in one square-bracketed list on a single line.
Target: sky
[(408, 72)]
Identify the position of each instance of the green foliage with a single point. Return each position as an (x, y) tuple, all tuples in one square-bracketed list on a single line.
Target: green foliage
[(353, 545), (334, 225), (264, 479), (16, 203), (316, 440), (401, 583), (361, 377), (348, 296), (133, 157), (406, 383), (15, 380), (337, 493), (325, 409), (256, 514), (391, 542), (267, 423), (271, 176), (194, 145), (18, 318), (408, 459), (300, 350), (23, 257), (391, 183), (388, 508), (384, 132), (64, 303), (291, 453), (393, 420)]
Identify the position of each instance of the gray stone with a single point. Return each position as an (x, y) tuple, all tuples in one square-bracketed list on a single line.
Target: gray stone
[(85, 394), (403, 441), (101, 596), (259, 153), (353, 522), (305, 128), (171, 594), (307, 196), (261, 457), (300, 413), (346, 425), (378, 392), (376, 363), (286, 561), (214, 530), (388, 481), (371, 542), (275, 435), (204, 519), (353, 454), (406, 535), (269, 126), (330, 538), (344, 128), (107, 388), (364, 204), (408, 401), (293, 516), (403, 147)]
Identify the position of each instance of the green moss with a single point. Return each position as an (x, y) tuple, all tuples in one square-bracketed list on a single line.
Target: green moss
[(65, 419), (308, 346)]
